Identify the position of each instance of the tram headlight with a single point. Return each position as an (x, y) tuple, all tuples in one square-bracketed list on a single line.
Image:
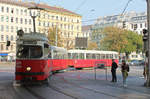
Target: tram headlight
[(28, 68)]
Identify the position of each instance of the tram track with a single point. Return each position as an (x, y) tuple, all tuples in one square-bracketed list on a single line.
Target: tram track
[(37, 96), (92, 90)]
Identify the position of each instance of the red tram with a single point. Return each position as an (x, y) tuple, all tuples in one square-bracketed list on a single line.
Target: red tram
[(36, 59), (88, 58)]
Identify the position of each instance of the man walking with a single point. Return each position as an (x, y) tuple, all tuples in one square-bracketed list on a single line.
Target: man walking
[(114, 66)]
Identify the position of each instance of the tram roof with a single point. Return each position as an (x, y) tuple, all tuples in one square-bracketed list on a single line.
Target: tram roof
[(60, 49), (33, 37), (92, 51)]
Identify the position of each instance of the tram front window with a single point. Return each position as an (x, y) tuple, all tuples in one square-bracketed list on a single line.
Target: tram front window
[(26, 51)]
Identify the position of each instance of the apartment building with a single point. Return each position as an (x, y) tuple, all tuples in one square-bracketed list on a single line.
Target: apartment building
[(15, 15), (131, 21)]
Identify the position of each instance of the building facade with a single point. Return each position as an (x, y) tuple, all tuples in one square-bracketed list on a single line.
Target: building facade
[(15, 15), (131, 21)]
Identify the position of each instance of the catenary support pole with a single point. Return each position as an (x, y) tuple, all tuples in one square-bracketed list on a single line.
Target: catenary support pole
[(148, 22)]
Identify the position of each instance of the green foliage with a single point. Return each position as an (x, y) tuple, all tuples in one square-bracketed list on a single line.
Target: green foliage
[(92, 45), (120, 40), (52, 36)]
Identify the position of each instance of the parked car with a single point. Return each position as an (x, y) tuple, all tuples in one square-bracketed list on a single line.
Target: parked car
[(136, 62)]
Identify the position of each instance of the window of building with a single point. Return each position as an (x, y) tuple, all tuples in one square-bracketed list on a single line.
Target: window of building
[(140, 25), (11, 47), (6, 47), (77, 21), (25, 21), (29, 29), (135, 26), (12, 29), (21, 21), (30, 21), (65, 19), (17, 28), (77, 27), (2, 37), (43, 23), (48, 24), (2, 28), (12, 10), (56, 17), (39, 23), (2, 18), (25, 11), (7, 19), (7, 38), (16, 20), (7, 10), (17, 11), (25, 29), (72, 27), (21, 12), (12, 19), (12, 38), (7, 28), (2, 9), (2, 47)]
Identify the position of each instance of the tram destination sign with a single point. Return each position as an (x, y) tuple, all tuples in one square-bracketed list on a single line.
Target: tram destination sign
[(81, 42)]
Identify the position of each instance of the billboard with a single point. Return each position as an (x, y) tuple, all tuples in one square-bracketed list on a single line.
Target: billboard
[(81, 42)]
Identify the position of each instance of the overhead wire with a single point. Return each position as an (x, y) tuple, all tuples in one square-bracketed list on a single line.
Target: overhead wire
[(82, 3), (127, 4)]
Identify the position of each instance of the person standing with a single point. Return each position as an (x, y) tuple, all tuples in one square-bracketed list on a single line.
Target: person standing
[(114, 66), (124, 70)]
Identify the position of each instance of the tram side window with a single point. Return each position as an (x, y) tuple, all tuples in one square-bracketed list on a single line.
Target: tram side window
[(93, 56), (102, 56), (69, 56), (97, 56), (88, 56), (111, 56), (55, 55), (116, 56), (74, 55), (46, 50), (81, 56)]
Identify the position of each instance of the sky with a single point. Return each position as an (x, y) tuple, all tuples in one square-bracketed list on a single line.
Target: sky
[(92, 9)]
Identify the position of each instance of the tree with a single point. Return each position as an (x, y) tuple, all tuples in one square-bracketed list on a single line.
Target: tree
[(92, 45), (121, 40), (52, 36)]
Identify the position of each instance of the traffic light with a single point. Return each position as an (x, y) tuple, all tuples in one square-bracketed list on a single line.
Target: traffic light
[(135, 26), (145, 35), (124, 24), (8, 43)]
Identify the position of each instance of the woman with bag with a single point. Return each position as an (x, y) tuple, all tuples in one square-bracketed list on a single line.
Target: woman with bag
[(124, 70)]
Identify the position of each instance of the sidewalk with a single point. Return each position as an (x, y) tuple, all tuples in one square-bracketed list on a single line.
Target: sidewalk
[(7, 63)]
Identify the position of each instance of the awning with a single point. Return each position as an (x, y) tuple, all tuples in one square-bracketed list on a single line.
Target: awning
[(3, 54)]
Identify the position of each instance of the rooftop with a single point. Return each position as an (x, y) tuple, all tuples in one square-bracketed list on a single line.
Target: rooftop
[(40, 5)]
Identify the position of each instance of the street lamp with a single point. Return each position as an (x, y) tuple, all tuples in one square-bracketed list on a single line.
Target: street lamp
[(34, 12)]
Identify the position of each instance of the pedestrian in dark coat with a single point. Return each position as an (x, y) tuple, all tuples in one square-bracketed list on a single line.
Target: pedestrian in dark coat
[(114, 66)]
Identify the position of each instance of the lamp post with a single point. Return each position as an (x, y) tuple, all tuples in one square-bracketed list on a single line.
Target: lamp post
[(34, 12)]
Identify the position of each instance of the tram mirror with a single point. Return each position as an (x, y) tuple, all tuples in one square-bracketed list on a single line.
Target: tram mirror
[(20, 32), (46, 46)]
